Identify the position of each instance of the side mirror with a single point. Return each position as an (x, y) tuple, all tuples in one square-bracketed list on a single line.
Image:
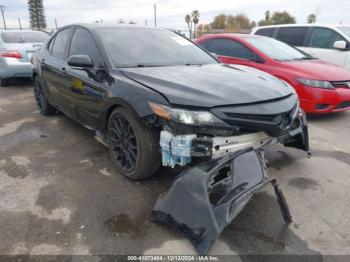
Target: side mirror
[(340, 45), (257, 59), (80, 61)]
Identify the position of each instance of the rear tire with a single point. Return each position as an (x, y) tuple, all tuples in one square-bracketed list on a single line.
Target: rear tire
[(134, 148), (4, 82), (42, 103)]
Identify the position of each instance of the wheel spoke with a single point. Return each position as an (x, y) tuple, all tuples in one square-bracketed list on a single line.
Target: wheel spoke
[(132, 153)]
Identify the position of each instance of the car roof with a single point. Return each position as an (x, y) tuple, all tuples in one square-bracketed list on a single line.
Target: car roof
[(234, 35), (303, 25), (112, 25)]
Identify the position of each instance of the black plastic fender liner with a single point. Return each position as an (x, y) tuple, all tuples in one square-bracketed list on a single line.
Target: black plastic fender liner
[(205, 198), (299, 138)]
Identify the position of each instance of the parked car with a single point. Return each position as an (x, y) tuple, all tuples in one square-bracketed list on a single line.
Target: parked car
[(329, 43), (16, 50), (322, 87), (154, 97), (156, 85)]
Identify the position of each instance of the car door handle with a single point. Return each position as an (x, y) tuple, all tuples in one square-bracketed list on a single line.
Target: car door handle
[(63, 70)]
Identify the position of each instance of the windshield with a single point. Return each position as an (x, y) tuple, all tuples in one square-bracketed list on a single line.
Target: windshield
[(345, 30), (24, 37), (138, 47), (277, 50)]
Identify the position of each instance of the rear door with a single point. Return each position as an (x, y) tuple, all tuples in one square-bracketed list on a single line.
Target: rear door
[(295, 36), (231, 52), (86, 87), (54, 70), (320, 44)]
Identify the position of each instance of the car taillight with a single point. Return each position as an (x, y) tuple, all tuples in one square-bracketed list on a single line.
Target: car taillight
[(11, 53)]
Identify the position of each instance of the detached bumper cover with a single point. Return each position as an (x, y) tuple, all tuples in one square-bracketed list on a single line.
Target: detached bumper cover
[(206, 198)]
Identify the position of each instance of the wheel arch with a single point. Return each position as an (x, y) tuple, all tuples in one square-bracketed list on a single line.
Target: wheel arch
[(116, 103)]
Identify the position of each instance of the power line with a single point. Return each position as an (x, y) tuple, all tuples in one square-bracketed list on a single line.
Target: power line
[(2, 7)]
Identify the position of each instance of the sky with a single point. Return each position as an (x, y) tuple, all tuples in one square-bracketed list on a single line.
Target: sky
[(171, 13)]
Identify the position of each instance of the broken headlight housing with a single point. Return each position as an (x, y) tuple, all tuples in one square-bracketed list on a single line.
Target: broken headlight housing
[(316, 83), (187, 117)]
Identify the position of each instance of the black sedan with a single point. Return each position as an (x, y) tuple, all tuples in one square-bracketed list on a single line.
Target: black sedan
[(155, 98)]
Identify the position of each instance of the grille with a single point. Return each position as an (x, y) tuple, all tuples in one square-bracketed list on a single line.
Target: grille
[(345, 84), (282, 120)]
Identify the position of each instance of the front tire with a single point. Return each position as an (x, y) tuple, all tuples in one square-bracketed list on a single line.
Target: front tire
[(134, 148), (42, 103)]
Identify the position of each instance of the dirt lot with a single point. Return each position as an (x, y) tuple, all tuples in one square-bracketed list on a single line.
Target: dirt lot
[(59, 193)]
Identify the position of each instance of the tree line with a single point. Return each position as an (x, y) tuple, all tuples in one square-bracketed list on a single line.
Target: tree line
[(239, 22)]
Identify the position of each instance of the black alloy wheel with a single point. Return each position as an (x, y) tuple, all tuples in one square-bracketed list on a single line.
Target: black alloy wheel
[(123, 143), (134, 147), (41, 101)]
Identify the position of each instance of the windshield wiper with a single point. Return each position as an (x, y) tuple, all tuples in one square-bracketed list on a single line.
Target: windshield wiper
[(193, 64), (309, 58), (145, 65)]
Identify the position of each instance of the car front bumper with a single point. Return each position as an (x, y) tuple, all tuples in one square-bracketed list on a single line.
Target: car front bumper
[(12, 67), (324, 101), (206, 198)]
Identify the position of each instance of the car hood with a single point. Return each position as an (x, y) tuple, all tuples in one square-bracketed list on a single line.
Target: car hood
[(318, 70), (210, 85)]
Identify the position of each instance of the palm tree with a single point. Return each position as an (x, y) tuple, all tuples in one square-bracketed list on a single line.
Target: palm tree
[(188, 21), (311, 19), (195, 19)]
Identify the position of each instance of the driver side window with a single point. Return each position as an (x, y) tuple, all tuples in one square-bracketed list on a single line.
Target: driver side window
[(324, 38), (227, 47), (83, 44)]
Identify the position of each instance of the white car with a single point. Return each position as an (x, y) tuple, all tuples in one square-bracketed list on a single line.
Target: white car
[(329, 43)]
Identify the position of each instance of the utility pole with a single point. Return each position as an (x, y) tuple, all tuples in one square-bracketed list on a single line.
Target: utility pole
[(155, 15), (2, 7), (146, 22), (56, 23), (19, 22)]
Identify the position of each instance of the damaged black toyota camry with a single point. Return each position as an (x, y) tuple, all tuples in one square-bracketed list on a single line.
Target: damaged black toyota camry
[(155, 98)]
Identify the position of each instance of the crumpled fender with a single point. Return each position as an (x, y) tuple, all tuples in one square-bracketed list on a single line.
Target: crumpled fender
[(204, 199)]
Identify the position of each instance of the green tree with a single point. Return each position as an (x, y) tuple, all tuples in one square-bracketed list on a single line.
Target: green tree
[(242, 21), (311, 19), (282, 18), (195, 18), (36, 14), (277, 18), (252, 24), (219, 22)]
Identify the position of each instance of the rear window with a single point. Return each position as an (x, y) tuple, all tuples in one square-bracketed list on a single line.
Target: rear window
[(266, 32), (292, 35), (24, 37)]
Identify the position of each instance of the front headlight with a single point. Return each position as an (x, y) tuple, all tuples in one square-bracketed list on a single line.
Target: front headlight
[(316, 83), (188, 117)]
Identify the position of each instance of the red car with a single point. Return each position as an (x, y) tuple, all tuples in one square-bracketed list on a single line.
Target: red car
[(322, 87)]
